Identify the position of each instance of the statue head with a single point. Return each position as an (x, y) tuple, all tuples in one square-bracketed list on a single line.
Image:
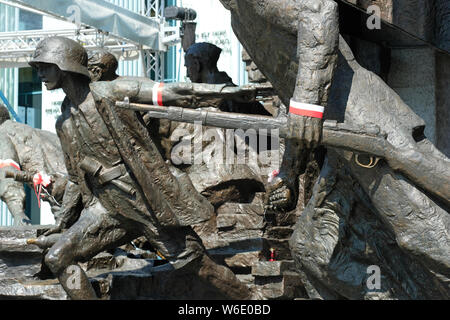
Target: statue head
[(102, 66), (56, 54), (200, 58), (4, 114)]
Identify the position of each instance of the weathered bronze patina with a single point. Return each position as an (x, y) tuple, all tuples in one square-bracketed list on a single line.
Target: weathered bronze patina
[(357, 217), (126, 187)]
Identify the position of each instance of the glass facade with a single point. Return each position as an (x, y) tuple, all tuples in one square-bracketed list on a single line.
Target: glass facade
[(29, 20), (170, 59)]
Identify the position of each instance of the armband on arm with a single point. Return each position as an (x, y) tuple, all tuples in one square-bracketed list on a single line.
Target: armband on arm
[(306, 109)]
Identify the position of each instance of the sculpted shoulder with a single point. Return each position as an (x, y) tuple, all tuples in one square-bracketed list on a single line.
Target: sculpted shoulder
[(13, 128)]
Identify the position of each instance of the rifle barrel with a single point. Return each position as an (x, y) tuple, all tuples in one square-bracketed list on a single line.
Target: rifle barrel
[(20, 176), (227, 120)]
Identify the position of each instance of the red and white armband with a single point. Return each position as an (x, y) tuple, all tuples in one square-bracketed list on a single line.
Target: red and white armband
[(40, 179), (273, 175), (9, 163), (306, 109), (157, 94)]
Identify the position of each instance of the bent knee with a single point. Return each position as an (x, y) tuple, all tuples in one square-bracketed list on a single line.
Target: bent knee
[(57, 260)]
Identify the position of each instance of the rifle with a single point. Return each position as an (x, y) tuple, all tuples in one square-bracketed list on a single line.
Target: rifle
[(430, 173), (334, 134), (262, 90)]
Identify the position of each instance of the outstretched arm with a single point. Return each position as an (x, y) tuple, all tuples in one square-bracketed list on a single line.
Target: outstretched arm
[(193, 95), (317, 48), (181, 94)]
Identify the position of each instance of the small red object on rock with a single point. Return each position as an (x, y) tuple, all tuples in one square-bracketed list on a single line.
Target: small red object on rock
[(272, 254)]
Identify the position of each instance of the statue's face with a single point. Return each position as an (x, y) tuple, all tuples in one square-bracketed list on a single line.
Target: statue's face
[(193, 69), (50, 74), (96, 71)]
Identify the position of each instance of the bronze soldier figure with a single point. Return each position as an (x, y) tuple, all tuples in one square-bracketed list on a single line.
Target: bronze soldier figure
[(200, 61), (209, 177), (126, 187), (36, 151), (102, 66), (33, 151), (201, 65), (358, 216)]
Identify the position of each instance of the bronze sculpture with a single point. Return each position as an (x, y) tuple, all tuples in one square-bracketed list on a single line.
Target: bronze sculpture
[(357, 217), (201, 64), (102, 66), (125, 185), (211, 177), (34, 151), (37, 151)]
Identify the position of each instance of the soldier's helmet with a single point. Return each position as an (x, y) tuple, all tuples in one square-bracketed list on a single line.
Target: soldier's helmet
[(67, 54)]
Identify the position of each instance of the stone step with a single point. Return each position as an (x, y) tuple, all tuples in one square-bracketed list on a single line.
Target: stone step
[(28, 288), (240, 221), (272, 268), (165, 283), (242, 260), (247, 279), (17, 258), (281, 246), (13, 239), (229, 248), (255, 208), (279, 232), (233, 236), (289, 286)]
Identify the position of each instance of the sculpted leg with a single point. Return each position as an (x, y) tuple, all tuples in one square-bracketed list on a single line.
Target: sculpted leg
[(62, 261), (93, 233), (183, 248), (338, 242), (13, 194), (222, 278)]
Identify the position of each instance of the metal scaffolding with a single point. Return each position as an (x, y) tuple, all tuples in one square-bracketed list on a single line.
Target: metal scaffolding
[(17, 47)]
